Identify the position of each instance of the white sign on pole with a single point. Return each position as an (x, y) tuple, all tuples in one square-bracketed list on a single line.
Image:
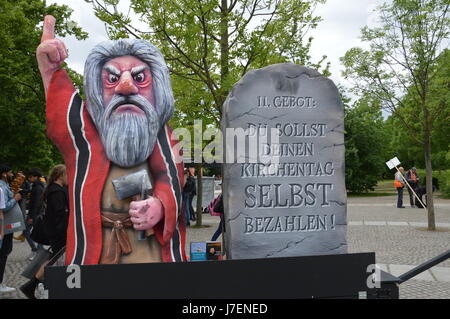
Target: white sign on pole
[(390, 165), (393, 162)]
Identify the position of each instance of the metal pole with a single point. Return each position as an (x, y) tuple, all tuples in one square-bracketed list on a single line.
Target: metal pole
[(426, 265), (423, 206)]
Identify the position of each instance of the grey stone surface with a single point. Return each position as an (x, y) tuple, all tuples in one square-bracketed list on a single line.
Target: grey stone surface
[(384, 208), (383, 267), (399, 245), (397, 223), (441, 273), (375, 223), (415, 224), (298, 206)]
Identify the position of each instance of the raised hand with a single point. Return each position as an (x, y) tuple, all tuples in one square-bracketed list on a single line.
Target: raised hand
[(51, 53)]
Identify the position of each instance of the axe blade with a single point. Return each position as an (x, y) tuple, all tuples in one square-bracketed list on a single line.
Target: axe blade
[(132, 184)]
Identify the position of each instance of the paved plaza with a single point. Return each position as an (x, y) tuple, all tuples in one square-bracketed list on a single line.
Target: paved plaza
[(397, 236)]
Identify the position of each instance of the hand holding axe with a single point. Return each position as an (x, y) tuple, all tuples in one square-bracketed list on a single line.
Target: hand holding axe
[(137, 183)]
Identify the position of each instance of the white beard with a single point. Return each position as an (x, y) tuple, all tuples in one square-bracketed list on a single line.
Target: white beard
[(128, 138)]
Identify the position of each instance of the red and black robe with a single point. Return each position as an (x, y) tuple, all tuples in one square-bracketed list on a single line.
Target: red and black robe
[(71, 129)]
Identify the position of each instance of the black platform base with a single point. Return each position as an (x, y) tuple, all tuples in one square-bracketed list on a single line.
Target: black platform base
[(330, 276)]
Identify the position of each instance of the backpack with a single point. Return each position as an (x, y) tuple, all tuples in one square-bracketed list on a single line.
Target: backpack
[(211, 207), (39, 232)]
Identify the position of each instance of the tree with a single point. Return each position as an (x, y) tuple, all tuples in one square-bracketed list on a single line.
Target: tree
[(403, 144), (439, 98), (364, 144), (210, 44), (24, 143), (402, 60)]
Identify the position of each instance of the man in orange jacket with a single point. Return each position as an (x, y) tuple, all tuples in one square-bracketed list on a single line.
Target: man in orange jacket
[(399, 185)]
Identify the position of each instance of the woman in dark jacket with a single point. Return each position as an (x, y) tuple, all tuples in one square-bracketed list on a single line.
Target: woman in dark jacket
[(57, 211), (56, 221)]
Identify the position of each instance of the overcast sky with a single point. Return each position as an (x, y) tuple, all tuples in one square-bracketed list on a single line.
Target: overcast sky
[(338, 32)]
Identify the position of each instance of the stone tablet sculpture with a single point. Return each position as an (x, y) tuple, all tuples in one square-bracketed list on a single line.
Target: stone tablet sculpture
[(284, 191), (119, 130)]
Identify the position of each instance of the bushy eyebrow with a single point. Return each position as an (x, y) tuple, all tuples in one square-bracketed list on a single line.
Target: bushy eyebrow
[(138, 69), (112, 69)]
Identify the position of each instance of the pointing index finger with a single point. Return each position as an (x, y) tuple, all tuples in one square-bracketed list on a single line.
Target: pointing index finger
[(49, 28)]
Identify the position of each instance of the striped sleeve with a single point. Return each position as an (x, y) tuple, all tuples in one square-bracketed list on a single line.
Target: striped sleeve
[(166, 170), (66, 129), (61, 92)]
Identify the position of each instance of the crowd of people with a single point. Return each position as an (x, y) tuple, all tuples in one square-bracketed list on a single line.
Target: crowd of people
[(38, 198)]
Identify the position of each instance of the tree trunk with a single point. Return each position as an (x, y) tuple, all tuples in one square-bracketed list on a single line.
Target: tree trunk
[(198, 168), (224, 51), (224, 71), (429, 172)]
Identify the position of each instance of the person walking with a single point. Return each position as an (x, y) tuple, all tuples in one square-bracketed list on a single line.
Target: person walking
[(11, 200), (56, 221), (218, 208), (37, 188), (399, 184), (412, 178), (189, 192)]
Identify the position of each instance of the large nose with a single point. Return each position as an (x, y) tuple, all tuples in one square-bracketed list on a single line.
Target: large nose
[(126, 85)]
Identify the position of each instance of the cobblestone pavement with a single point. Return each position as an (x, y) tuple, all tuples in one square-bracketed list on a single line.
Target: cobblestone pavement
[(384, 208), (397, 244), (415, 289), (400, 245)]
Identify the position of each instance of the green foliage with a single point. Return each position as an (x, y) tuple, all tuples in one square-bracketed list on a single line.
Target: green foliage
[(401, 62), (441, 179), (364, 145), (399, 67), (444, 183), (402, 144), (440, 101), (24, 143)]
